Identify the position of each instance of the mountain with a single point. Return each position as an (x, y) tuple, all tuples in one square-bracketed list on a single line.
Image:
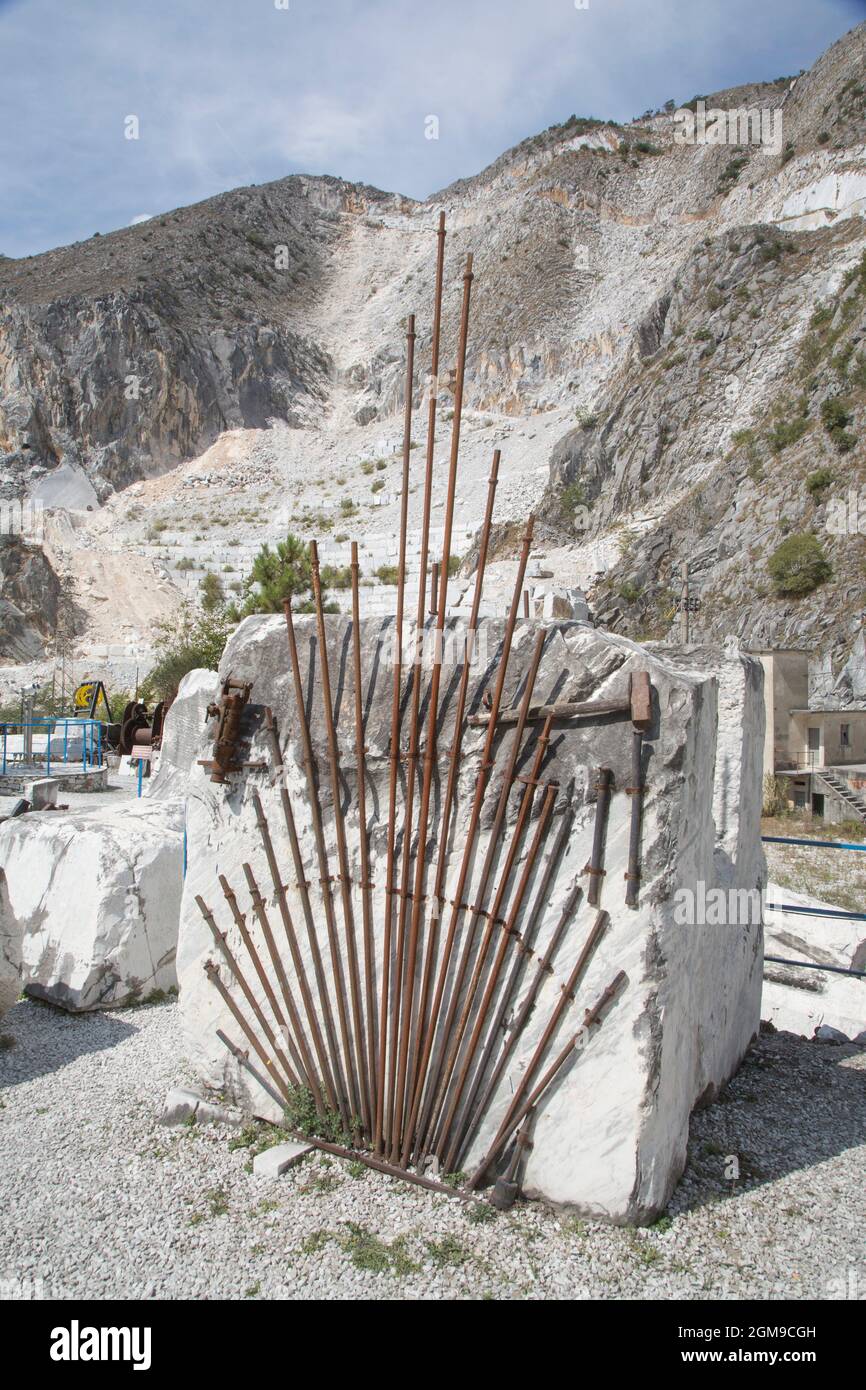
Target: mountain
[(666, 338)]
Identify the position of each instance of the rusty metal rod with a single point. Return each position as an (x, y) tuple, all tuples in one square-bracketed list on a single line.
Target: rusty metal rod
[(244, 1059), (389, 1002), (342, 850), (379, 1165), (366, 884), (437, 898), (522, 946), (312, 933), (452, 1035), (434, 588), (212, 973), (294, 947), (240, 922), (494, 919), (480, 788), (602, 807), (406, 970), (223, 947), (592, 1017), (564, 709), (493, 978), (308, 1071), (636, 792), (563, 1003), (346, 1088)]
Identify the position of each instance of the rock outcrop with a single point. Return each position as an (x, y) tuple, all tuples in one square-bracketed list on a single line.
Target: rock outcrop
[(30, 599), (610, 1137)]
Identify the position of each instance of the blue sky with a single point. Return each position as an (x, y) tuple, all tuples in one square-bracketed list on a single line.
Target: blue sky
[(229, 92)]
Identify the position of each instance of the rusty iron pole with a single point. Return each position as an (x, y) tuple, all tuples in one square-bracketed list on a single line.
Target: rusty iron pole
[(522, 947), (366, 883), (452, 1035), (453, 771), (480, 788), (602, 806), (240, 922), (564, 1002), (641, 713), (347, 1092), (592, 1017), (212, 972), (223, 947), (389, 1002), (342, 850), (294, 948), (543, 971), (312, 933), (405, 975), (434, 587), (494, 975), (308, 1074)]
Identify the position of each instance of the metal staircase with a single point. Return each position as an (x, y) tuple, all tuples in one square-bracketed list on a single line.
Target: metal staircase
[(838, 787)]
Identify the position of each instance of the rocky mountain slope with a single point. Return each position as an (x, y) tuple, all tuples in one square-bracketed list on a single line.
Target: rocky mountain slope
[(657, 329)]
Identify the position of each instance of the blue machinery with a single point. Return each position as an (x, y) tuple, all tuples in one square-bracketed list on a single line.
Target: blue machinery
[(81, 742)]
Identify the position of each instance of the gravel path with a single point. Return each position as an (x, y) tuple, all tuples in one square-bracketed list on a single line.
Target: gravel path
[(101, 1201)]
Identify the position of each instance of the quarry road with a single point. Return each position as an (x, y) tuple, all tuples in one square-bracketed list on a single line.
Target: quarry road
[(103, 1202)]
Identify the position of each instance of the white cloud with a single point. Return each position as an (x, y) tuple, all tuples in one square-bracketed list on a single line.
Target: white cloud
[(228, 94)]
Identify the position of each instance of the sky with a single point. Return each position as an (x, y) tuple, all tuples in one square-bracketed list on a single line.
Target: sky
[(231, 92)]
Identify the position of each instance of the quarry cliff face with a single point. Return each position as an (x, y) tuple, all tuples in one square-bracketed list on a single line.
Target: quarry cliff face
[(686, 307)]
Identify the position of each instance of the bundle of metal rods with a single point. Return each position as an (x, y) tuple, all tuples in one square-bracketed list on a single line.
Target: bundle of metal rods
[(393, 1029)]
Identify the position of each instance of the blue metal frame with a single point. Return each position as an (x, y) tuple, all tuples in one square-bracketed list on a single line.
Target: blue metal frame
[(91, 739)]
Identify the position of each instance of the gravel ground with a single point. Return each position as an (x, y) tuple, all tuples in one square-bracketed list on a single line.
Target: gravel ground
[(101, 1201)]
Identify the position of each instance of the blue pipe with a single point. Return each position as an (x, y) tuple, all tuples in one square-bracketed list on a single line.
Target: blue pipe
[(817, 911), (817, 844), (813, 965)]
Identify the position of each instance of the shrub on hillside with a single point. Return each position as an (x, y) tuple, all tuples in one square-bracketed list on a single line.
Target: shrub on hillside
[(798, 565)]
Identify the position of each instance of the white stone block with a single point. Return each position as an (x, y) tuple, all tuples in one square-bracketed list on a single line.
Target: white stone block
[(610, 1136), (42, 793), (180, 1105), (89, 902), (278, 1159)]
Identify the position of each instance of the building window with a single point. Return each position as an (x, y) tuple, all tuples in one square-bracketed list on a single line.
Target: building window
[(844, 735)]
